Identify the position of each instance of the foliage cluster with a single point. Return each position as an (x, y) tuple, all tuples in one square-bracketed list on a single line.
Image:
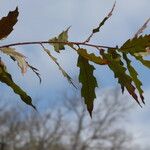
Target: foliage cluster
[(118, 59)]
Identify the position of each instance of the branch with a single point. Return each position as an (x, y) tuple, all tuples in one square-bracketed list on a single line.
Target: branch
[(57, 42)]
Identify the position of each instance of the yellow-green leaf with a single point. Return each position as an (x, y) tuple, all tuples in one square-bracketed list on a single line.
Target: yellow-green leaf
[(88, 81), (7, 23), (92, 57), (20, 58), (65, 74), (143, 54), (57, 42)]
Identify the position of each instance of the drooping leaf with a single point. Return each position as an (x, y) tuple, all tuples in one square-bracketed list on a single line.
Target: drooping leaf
[(6, 78), (20, 58), (92, 57), (7, 23), (136, 45), (62, 37), (134, 75), (35, 70), (65, 74), (120, 72), (88, 81), (117, 57)]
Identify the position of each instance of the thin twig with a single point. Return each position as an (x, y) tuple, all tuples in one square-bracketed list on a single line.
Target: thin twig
[(142, 28), (56, 42)]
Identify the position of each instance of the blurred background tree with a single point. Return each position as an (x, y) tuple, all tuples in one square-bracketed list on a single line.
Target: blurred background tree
[(69, 126)]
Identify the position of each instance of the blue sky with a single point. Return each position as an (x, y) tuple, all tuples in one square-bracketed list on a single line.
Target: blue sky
[(42, 20)]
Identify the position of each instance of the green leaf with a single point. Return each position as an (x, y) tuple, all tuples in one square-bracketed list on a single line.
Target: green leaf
[(120, 72), (63, 37), (7, 23), (20, 58), (117, 58), (91, 57), (136, 45), (65, 74), (104, 20), (88, 81), (146, 63), (6, 78), (134, 75)]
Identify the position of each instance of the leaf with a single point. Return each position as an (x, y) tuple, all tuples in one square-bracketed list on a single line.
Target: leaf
[(104, 20), (35, 70), (92, 57), (16, 56), (142, 28), (143, 54), (146, 63), (60, 68), (134, 75), (6, 78), (58, 41), (7, 23), (88, 81), (136, 45), (117, 58), (95, 30), (120, 72)]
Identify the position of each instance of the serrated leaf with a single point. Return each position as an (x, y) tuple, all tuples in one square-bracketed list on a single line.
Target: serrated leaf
[(143, 54), (123, 78), (134, 75), (104, 20), (6, 78), (63, 37), (146, 63), (20, 58), (117, 57), (7, 23), (136, 45), (92, 57), (88, 81), (65, 74)]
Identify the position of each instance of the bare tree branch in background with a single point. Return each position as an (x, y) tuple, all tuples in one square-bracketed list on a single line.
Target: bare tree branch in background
[(69, 127), (105, 130)]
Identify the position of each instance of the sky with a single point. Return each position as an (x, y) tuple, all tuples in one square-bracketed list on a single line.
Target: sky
[(42, 20)]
